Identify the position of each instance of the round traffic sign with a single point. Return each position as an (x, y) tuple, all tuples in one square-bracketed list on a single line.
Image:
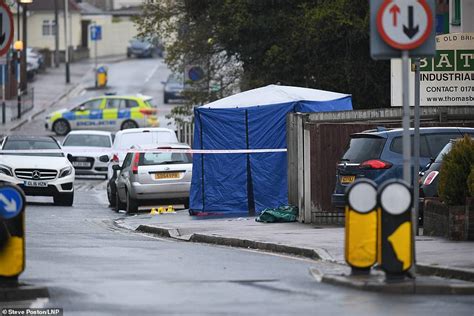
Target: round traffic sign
[(362, 196), (12, 201), (6, 28), (404, 24), (395, 197), (195, 73)]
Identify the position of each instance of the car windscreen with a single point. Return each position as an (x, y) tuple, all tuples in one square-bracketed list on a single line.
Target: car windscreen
[(29, 144), (443, 152), (363, 148), (131, 140), (151, 158), (87, 140)]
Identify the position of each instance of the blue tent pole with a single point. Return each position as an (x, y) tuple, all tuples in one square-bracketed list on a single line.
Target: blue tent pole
[(202, 163), (250, 197)]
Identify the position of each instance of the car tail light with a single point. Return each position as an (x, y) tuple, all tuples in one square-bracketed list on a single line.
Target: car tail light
[(375, 164), (430, 177), (148, 111), (136, 158), (115, 158)]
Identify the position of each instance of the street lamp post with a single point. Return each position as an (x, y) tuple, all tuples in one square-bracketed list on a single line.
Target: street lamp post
[(22, 54), (66, 42)]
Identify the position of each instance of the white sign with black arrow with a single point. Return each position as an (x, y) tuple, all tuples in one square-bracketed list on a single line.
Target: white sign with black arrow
[(404, 24)]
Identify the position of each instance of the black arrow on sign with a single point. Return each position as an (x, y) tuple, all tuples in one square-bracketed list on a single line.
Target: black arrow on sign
[(2, 37), (410, 31)]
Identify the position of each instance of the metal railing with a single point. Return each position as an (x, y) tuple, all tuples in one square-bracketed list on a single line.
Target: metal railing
[(11, 108), (185, 132)]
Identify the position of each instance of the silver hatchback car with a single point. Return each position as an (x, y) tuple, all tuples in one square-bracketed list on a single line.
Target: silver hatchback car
[(152, 177)]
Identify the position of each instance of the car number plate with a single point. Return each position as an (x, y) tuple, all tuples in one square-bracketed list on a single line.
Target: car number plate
[(167, 175), (81, 164), (347, 179), (38, 184)]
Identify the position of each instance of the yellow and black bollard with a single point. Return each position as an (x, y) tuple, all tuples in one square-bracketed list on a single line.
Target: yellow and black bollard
[(395, 234), (361, 226), (12, 238)]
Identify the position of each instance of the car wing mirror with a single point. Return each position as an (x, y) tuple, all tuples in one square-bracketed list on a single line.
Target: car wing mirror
[(104, 158), (116, 167)]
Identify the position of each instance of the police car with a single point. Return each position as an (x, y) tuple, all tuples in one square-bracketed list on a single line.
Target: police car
[(108, 112)]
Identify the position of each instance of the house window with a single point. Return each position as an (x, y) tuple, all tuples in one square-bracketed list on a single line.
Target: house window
[(456, 15), (46, 28), (49, 27)]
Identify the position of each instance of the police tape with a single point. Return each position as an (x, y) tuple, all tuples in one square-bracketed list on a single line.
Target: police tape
[(144, 150)]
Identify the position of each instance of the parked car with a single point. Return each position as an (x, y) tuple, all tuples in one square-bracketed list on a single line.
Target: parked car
[(378, 155), (153, 177), (85, 148), (24, 162), (107, 112), (130, 139), (140, 48), (173, 88)]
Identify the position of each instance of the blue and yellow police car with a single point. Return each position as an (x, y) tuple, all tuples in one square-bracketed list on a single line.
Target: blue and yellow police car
[(108, 112)]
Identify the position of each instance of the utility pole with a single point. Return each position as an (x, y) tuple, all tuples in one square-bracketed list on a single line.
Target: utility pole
[(66, 42), (56, 35), (24, 84)]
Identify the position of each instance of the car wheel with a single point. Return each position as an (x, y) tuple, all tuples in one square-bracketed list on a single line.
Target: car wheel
[(64, 199), (132, 204), (166, 100), (129, 124), (119, 205), (61, 127)]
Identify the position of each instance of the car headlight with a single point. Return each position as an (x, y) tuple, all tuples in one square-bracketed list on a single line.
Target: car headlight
[(6, 170), (65, 172)]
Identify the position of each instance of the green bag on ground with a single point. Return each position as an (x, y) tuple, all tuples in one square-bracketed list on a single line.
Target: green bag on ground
[(285, 213)]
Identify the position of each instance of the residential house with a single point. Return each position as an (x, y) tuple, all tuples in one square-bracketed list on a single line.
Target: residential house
[(41, 28)]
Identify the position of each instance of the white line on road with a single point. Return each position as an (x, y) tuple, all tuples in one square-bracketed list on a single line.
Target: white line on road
[(152, 73), (39, 303)]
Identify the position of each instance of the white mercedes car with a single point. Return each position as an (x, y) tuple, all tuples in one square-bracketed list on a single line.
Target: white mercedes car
[(86, 147), (38, 165)]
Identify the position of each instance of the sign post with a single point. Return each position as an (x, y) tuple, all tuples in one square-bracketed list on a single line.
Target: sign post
[(403, 28), (96, 35), (6, 38)]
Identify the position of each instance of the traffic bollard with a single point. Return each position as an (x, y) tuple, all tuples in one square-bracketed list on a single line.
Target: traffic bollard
[(361, 226), (395, 236), (12, 237)]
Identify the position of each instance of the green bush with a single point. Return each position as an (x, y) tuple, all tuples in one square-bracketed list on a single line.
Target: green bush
[(457, 166)]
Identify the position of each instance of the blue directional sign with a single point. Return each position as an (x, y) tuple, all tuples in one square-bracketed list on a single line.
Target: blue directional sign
[(12, 201), (195, 73), (96, 32)]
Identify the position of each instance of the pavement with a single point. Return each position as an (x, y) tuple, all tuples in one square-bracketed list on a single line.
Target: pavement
[(50, 89), (434, 256)]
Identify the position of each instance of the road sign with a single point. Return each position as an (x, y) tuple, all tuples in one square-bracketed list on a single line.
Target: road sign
[(395, 19), (6, 28), (404, 24), (96, 32), (195, 73), (11, 201)]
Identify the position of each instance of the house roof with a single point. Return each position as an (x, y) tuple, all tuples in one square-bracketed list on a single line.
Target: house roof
[(87, 8), (48, 5)]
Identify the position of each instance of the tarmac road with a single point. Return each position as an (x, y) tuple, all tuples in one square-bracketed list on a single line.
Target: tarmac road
[(94, 268)]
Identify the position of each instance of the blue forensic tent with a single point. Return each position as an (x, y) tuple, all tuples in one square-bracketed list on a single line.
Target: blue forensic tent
[(254, 119)]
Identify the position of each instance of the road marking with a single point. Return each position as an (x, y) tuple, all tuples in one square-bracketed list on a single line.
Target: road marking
[(39, 303), (152, 73)]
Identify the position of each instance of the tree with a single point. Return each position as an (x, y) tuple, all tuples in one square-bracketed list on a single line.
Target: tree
[(322, 44)]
